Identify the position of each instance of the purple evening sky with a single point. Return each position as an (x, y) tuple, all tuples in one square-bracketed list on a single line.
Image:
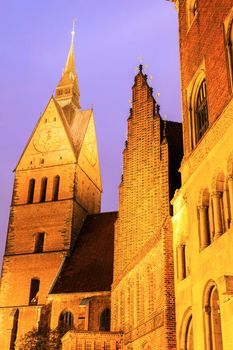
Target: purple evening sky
[(110, 35)]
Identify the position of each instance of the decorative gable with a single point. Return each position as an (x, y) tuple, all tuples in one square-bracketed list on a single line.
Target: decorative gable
[(49, 143)]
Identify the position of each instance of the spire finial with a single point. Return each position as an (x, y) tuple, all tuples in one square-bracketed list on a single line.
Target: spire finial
[(73, 30)]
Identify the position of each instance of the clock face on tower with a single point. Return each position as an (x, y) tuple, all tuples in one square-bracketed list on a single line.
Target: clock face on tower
[(47, 139)]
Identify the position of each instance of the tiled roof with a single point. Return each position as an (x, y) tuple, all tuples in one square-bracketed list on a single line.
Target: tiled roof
[(90, 266), (78, 128)]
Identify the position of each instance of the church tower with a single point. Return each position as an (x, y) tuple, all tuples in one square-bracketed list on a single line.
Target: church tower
[(142, 290), (57, 183)]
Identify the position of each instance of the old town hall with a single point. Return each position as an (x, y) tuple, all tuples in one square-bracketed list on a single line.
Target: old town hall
[(157, 274)]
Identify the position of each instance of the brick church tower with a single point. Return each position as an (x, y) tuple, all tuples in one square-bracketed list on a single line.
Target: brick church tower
[(57, 183), (143, 290)]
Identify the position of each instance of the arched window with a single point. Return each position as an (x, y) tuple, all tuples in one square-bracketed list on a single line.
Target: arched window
[(31, 188), (39, 242), (105, 320), (34, 289), (189, 335), (43, 189), (66, 321), (213, 326), (56, 182), (186, 335), (201, 112)]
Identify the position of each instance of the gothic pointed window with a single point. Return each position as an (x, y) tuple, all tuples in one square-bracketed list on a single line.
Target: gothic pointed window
[(43, 189), (66, 321), (31, 188), (56, 183), (105, 320), (201, 112), (34, 289), (39, 242)]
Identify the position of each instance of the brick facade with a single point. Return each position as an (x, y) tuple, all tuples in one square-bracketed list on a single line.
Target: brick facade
[(202, 221)]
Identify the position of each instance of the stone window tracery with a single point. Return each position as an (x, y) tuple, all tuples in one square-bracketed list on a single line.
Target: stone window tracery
[(201, 112), (198, 107), (66, 320)]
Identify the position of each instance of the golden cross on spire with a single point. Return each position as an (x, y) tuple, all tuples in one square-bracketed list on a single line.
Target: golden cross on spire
[(73, 30)]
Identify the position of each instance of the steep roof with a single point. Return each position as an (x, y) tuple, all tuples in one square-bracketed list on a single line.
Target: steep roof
[(77, 130), (90, 266)]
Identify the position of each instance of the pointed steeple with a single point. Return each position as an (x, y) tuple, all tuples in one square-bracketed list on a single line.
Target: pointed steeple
[(67, 90)]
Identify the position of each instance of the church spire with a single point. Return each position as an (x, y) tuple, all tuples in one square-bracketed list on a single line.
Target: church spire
[(67, 90)]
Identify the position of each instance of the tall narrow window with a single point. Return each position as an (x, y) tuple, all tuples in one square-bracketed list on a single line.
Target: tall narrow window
[(56, 183), (31, 188), (189, 335), (15, 315), (213, 320), (39, 242), (105, 320), (181, 262), (43, 189), (201, 112), (66, 321), (229, 43), (35, 286)]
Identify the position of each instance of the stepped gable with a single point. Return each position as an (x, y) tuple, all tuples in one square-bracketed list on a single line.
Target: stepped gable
[(90, 266)]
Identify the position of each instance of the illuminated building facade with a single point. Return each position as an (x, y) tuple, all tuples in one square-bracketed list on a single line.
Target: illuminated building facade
[(60, 248), (203, 207)]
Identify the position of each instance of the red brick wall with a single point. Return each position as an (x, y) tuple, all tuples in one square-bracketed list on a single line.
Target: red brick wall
[(204, 40)]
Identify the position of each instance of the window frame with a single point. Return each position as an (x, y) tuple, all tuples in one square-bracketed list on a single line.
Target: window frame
[(43, 189), (34, 290), (192, 93), (39, 242), (31, 191)]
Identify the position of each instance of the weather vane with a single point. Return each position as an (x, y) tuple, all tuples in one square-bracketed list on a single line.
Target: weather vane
[(73, 30)]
